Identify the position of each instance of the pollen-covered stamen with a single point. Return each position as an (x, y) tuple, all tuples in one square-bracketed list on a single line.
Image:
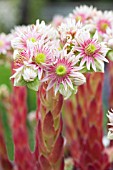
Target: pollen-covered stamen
[(90, 49), (40, 58), (20, 60), (61, 70), (32, 39)]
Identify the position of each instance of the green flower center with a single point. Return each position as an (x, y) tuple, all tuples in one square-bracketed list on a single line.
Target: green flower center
[(103, 26), (32, 39), (40, 58), (1, 43), (61, 70), (90, 49), (79, 18)]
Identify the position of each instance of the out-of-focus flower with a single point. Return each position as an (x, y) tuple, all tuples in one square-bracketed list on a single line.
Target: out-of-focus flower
[(103, 21), (4, 43), (91, 51), (108, 37), (63, 75), (24, 35), (57, 20), (83, 13)]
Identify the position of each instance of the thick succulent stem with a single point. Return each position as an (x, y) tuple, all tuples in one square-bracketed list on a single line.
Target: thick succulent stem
[(49, 140), (84, 125), (24, 159)]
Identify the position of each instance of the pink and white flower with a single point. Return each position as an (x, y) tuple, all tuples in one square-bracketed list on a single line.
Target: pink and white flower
[(23, 36), (25, 75), (43, 55), (90, 50), (57, 20), (63, 74), (103, 21), (5, 44), (83, 13), (67, 31), (108, 37)]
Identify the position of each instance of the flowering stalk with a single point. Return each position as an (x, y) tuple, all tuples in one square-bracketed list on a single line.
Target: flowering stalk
[(85, 127), (24, 159), (49, 140)]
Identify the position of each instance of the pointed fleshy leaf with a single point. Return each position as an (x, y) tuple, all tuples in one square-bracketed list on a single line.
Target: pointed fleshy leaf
[(58, 106), (45, 165), (57, 150), (34, 85), (21, 82), (40, 138), (48, 126)]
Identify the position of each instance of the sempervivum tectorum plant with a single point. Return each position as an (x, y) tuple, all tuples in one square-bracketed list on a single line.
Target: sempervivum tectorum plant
[(23, 157), (84, 126), (49, 140)]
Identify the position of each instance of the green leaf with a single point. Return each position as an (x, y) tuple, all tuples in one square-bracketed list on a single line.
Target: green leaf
[(33, 85), (7, 133), (21, 82)]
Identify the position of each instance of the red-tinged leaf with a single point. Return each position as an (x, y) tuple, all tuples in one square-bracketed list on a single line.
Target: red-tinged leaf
[(93, 134), (86, 158), (38, 167), (58, 124), (57, 150), (39, 137), (98, 94), (93, 106), (58, 106), (45, 165), (91, 167), (48, 127), (62, 164), (97, 147)]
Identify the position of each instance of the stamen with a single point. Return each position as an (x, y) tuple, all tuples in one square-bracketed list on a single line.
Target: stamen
[(40, 58), (90, 49), (61, 70)]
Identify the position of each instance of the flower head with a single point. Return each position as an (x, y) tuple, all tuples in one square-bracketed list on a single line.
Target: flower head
[(90, 50), (5, 44), (103, 21), (83, 13), (68, 29), (26, 75), (23, 35), (63, 75)]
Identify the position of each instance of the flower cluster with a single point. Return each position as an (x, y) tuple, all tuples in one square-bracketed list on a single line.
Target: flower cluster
[(59, 53)]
